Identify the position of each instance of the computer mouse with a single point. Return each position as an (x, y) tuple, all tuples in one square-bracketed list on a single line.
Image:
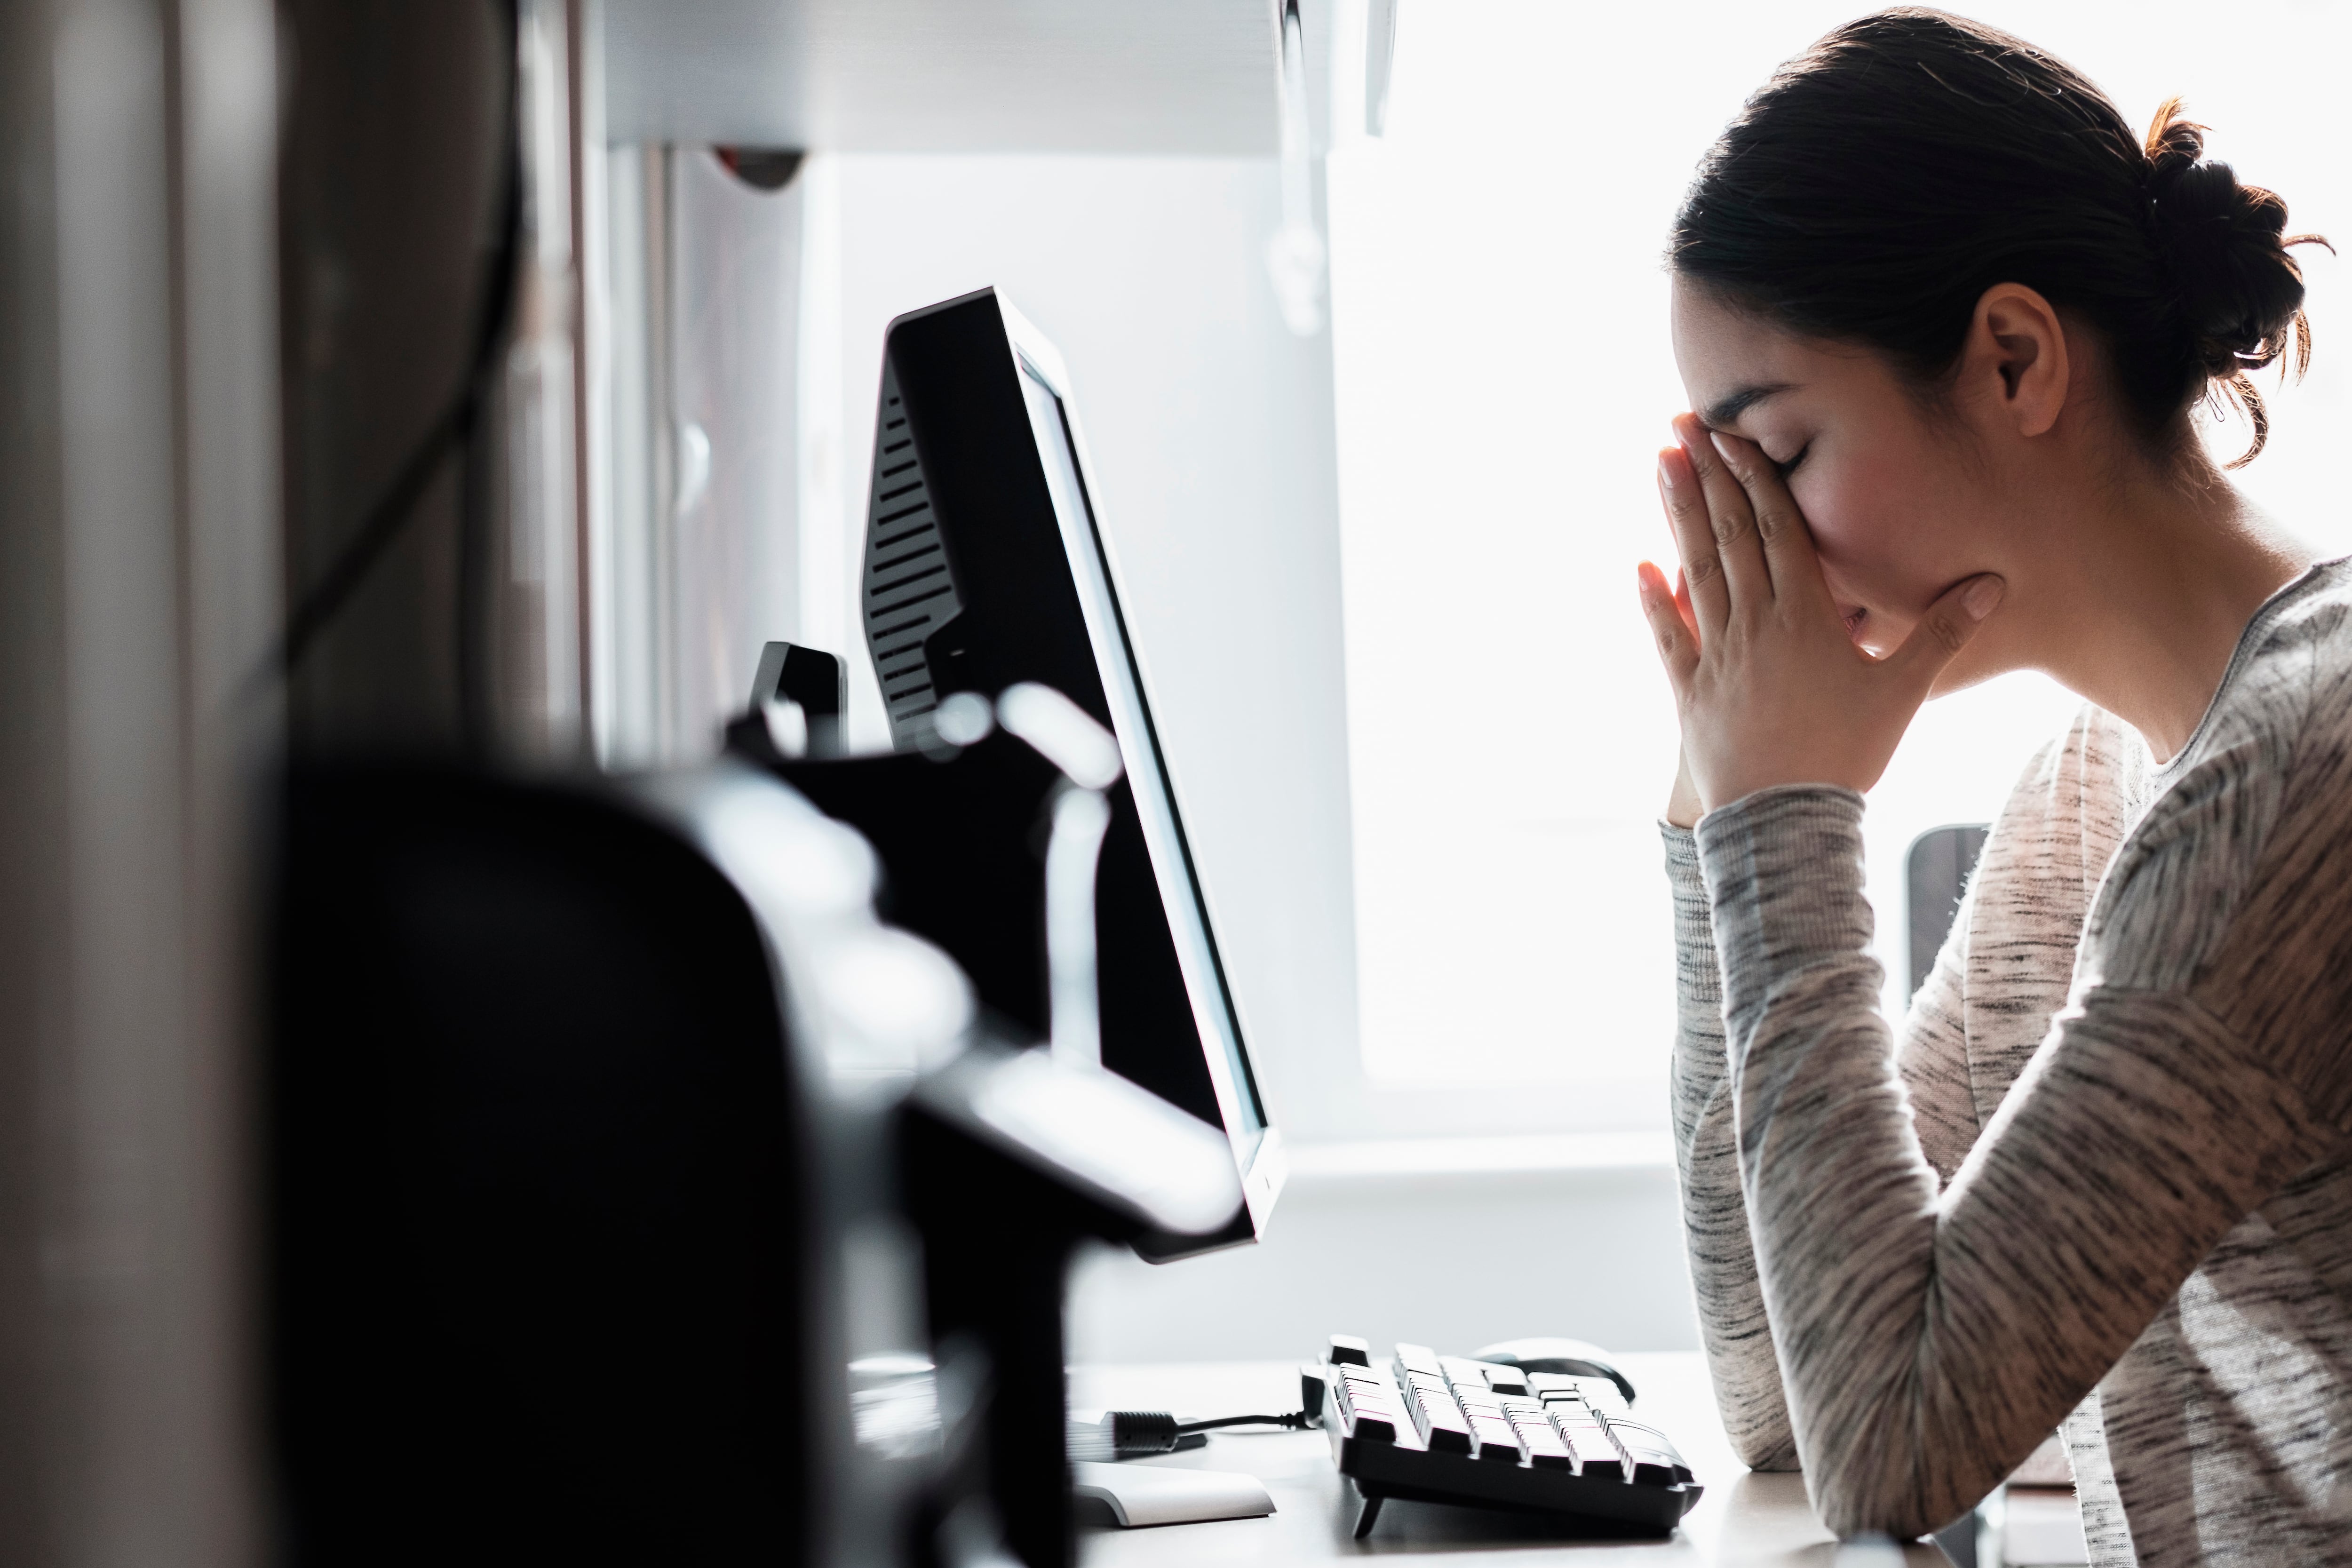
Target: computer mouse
[(1570, 1358)]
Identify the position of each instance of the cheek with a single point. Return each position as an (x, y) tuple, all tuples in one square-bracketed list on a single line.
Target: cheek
[(1891, 535), (1856, 519)]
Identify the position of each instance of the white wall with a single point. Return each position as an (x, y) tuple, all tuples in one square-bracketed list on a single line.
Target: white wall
[(1455, 1261), (734, 302), (697, 563)]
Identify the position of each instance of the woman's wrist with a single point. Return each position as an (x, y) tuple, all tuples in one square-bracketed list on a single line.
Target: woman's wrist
[(1683, 808)]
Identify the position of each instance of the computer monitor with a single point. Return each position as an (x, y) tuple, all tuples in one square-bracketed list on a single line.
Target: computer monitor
[(985, 565)]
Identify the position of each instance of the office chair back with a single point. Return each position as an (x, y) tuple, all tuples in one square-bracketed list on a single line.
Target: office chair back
[(1935, 874), (542, 1283)]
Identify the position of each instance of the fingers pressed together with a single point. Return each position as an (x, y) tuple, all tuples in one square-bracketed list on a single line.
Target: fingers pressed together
[(1769, 686)]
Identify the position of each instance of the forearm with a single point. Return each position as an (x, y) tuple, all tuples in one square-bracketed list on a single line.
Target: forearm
[(1928, 1342), (1828, 1159), (1732, 1322)]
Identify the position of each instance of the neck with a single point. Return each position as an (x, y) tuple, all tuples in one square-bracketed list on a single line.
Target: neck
[(2157, 584)]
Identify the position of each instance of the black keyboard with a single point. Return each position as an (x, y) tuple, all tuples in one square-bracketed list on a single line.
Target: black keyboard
[(1449, 1429)]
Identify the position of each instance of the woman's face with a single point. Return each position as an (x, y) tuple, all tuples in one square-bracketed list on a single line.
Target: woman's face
[(1898, 512)]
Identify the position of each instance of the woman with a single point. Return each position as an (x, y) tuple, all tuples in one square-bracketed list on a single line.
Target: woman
[(1945, 319)]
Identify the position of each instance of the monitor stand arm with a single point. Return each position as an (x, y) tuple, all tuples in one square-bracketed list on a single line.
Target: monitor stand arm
[(998, 1237)]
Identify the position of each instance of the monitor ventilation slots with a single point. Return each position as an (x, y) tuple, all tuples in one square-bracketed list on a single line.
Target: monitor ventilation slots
[(910, 591)]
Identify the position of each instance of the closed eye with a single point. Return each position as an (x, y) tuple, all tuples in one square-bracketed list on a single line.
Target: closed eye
[(1789, 466)]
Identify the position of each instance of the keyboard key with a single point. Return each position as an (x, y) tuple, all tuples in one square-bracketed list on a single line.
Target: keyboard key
[(1462, 1372), (1547, 1449), (1449, 1436), (1602, 1395), (1421, 1359), (1348, 1350), (1466, 1373), (1597, 1455), (1655, 1463), (1492, 1437), (1444, 1429), (1368, 1413)]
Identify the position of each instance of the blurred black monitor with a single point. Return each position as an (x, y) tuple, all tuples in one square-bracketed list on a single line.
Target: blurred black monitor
[(986, 566)]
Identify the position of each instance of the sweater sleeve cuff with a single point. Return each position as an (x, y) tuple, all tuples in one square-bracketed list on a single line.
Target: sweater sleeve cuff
[(1784, 876), (1699, 978), (1688, 881)]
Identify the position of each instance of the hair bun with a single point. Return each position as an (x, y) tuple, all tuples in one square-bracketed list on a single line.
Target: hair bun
[(2225, 245)]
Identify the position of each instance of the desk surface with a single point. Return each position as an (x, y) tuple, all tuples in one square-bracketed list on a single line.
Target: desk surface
[(1754, 1521)]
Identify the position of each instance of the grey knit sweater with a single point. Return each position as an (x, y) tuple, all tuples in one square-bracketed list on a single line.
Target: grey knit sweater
[(2102, 1174)]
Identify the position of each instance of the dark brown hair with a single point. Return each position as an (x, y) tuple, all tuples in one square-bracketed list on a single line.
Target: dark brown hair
[(1882, 179)]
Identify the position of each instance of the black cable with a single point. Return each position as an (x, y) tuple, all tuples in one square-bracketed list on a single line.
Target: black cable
[(454, 428), (475, 564), (1135, 1433), (1297, 1421), (381, 526)]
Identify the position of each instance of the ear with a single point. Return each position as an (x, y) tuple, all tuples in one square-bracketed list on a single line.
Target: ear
[(2016, 358)]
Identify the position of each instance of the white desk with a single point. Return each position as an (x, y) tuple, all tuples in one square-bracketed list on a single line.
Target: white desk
[(1753, 1520)]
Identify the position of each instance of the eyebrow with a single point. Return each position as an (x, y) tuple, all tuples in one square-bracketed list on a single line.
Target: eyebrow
[(1723, 411)]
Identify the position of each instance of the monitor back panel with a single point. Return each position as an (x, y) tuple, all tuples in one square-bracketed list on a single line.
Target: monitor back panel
[(969, 587)]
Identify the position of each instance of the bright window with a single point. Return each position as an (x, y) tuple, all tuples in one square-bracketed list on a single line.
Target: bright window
[(1504, 381)]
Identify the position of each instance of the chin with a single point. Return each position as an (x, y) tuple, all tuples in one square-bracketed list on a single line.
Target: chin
[(1976, 665)]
